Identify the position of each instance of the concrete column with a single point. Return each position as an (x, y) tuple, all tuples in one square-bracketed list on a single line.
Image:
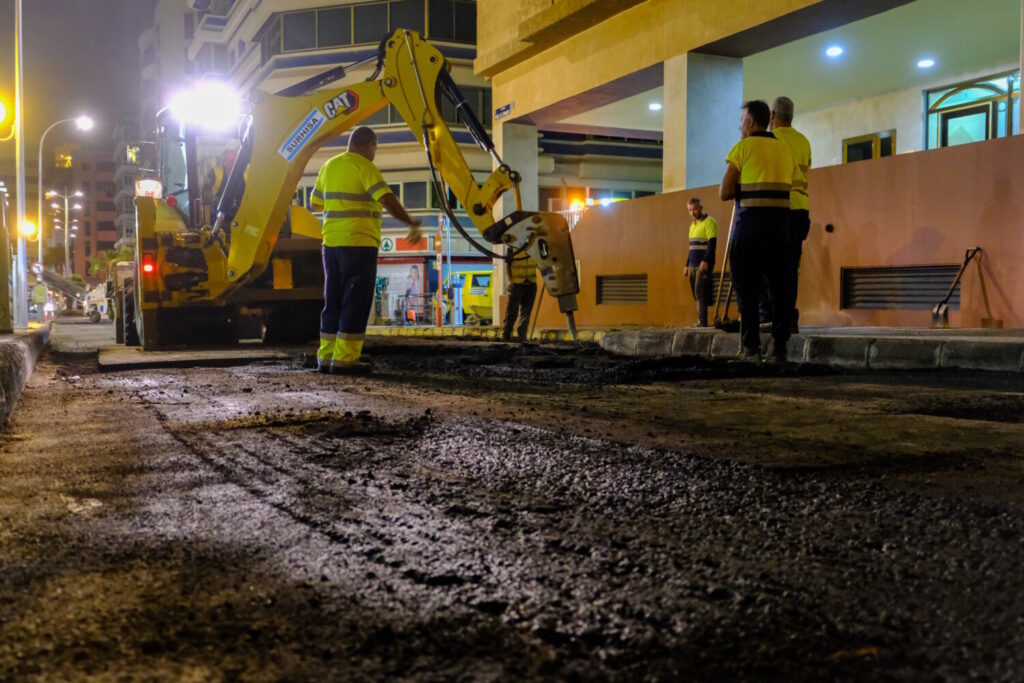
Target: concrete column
[(1020, 107), (673, 163), (714, 94), (517, 145), (701, 108)]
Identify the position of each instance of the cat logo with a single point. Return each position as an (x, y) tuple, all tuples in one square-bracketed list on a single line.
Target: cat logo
[(345, 103)]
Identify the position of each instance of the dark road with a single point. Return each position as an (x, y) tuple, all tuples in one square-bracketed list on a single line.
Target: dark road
[(477, 513)]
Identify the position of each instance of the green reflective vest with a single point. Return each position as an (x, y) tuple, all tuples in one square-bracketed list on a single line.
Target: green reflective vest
[(348, 191)]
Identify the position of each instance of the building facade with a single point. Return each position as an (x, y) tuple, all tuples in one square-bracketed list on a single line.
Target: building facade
[(911, 107)]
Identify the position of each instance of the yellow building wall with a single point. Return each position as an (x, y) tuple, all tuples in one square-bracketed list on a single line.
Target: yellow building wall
[(636, 38)]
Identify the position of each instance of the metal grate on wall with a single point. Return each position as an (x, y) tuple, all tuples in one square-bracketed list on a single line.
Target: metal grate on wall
[(908, 287), (622, 289)]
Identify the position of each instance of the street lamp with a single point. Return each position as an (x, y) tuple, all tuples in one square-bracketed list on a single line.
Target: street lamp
[(83, 123), (67, 196)]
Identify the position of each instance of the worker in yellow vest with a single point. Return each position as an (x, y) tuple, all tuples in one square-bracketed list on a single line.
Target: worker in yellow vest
[(700, 260), (39, 298), (799, 203), (522, 275), (759, 176), (351, 192)]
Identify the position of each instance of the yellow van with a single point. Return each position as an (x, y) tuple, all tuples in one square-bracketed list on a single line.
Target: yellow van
[(477, 295)]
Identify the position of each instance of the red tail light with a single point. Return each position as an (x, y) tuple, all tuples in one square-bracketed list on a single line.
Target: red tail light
[(148, 265)]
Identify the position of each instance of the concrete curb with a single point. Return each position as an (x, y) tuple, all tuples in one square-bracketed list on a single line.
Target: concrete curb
[(18, 354), (841, 350), (484, 333), (847, 352)]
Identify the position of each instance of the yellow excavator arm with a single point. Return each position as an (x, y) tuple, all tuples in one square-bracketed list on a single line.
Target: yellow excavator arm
[(283, 132)]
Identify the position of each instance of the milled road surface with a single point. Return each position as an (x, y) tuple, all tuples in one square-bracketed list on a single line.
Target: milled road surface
[(482, 512)]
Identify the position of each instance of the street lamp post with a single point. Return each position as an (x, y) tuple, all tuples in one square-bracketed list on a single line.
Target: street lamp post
[(67, 196), (83, 123)]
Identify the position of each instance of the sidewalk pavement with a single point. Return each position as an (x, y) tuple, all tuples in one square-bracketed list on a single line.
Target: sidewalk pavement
[(853, 348), (18, 354)]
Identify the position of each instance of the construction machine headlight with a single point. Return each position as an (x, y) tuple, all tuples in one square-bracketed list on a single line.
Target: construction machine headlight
[(211, 105)]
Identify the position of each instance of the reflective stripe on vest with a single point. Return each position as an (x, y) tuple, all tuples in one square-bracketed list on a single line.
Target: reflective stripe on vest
[(764, 195), (353, 213)]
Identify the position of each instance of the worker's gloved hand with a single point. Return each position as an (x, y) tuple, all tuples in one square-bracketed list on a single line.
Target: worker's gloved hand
[(414, 235)]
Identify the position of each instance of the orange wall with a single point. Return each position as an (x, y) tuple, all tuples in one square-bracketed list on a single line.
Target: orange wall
[(912, 209)]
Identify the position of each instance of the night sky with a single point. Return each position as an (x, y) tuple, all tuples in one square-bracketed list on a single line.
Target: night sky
[(80, 57)]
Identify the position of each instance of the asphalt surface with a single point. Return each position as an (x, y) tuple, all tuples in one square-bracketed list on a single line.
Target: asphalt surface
[(482, 511)]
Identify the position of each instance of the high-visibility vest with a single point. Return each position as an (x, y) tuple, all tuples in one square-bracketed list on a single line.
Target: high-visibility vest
[(348, 191), (701, 233), (766, 171), (801, 150), (39, 294), (523, 269)]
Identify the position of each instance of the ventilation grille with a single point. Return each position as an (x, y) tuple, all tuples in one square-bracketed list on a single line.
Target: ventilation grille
[(911, 288), (726, 281), (622, 289)]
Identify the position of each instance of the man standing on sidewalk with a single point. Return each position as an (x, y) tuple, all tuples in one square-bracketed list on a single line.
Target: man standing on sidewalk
[(799, 203), (700, 262), (759, 176), (350, 191), (522, 274)]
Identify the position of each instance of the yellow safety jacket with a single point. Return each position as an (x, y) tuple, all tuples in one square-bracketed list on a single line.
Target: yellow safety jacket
[(703, 237), (523, 269), (766, 171), (39, 294), (801, 150), (348, 191)]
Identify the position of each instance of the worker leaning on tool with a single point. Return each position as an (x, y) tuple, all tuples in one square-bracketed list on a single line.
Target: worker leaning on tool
[(759, 176), (799, 202), (522, 274), (700, 261), (351, 191)]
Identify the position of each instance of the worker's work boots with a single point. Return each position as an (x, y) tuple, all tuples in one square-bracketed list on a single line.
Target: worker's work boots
[(360, 367)]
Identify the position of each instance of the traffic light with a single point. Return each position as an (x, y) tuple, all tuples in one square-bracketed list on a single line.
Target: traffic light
[(6, 120)]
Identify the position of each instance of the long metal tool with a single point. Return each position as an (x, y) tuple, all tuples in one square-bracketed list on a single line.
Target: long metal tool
[(940, 311), (720, 321)]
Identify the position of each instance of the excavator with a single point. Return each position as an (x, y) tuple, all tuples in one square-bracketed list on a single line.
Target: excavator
[(205, 270)]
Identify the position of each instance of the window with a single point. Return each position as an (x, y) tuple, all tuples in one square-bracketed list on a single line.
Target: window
[(872, 146), (415, 195), (370, 22), (270, 39), (103, 166), (105, 206), (973, 111), (334, 27), (406, 14), (300, 31), (453, 20), (106, 225)]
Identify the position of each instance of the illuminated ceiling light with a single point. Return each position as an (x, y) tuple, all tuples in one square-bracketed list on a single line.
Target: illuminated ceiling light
[(84, 123), (654, 106), (926, 63), (834, 51)]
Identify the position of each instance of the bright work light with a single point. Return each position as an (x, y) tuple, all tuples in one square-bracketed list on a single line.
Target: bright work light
[(208, 104)]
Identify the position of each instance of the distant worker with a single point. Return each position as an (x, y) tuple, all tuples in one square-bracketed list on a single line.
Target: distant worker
[(700, 261), (759, 176), (218, 175), (350, 191), (39, 298), (799, 203), (522, 276)]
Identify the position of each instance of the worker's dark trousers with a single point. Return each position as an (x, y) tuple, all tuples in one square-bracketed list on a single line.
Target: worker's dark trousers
[(799, 226), (700, 286), (759, 254), (520, 302), (350, 275)]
